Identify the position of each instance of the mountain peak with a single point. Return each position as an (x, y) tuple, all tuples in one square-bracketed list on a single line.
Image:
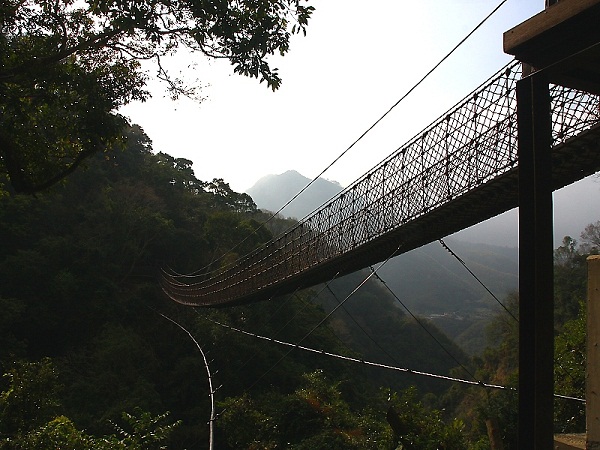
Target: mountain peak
[(271, 192)]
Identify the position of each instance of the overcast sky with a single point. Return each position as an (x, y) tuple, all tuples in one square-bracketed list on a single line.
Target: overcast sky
[(357, 60)]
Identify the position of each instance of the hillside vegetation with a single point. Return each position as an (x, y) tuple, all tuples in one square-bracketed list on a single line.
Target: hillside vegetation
[(80, 331), (90, 363)]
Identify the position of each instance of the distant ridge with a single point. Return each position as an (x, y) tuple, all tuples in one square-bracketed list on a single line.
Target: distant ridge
[(428, 280), (271, 192)]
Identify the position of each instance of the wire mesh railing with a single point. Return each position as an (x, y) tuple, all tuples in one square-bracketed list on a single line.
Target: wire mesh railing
[(472, 144)]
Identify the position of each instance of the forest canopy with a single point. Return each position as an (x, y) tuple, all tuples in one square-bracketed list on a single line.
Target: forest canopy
[(67, 66), (86, 360)]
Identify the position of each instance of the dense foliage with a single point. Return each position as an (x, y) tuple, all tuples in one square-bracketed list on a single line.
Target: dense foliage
[(82, 347), (29, 417), (67, 66), (78, 265), (86, 360)]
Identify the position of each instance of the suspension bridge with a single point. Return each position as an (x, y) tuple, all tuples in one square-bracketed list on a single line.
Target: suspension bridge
[(510, 143), (459, 171)]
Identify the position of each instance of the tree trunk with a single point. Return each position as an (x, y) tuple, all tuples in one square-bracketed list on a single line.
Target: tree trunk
[(493, 431)]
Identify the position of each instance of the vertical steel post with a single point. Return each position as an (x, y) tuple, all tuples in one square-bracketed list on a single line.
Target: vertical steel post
[(536, 305)]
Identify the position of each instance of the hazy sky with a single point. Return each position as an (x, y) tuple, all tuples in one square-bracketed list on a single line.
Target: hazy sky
[(356, 61)]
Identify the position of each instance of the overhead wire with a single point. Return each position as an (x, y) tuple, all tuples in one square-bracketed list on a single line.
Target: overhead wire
[(357, 140)]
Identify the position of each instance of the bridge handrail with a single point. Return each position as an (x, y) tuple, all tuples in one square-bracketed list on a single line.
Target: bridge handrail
[(469, 145)]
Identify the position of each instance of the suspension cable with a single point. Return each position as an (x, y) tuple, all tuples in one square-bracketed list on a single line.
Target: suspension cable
[(356, 141), (368, 335), (422, 325), (382, 366), (327, 316), (458, 258), (361, 361), (251, 358)]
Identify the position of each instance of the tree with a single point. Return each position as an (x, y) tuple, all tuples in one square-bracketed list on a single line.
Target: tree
[(569, 374), (570, 272), (225, 198), (143, 431), (315, 415), (28, 418), (57, 433), (30, 396), (591, 238), (415, 427), (67, 66)]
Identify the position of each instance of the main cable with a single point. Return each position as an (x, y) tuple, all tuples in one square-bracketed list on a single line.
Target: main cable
[(341, 155)]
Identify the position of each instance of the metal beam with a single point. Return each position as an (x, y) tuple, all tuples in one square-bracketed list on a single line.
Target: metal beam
[(536, 306)]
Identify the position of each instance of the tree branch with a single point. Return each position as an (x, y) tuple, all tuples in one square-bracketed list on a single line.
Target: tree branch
[(96, 42), (81, 156)]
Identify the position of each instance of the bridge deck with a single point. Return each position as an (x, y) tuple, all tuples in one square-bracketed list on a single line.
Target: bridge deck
[(572, 161), (461, 170)]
